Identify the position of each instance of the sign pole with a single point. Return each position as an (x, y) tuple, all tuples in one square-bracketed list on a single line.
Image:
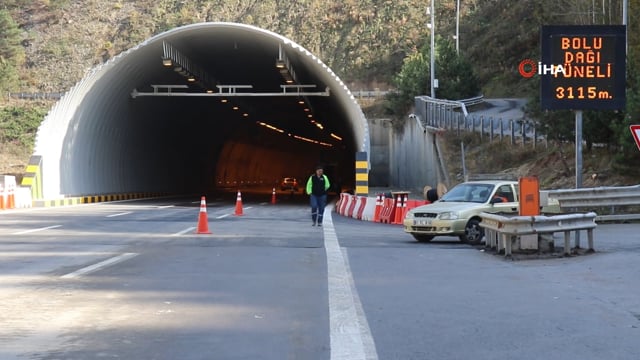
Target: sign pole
[(578, 149), (578, 162)]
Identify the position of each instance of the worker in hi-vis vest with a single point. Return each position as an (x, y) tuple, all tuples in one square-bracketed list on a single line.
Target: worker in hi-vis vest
[(317, 187)]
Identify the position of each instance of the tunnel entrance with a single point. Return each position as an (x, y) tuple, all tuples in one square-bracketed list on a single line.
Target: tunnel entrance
[(197, 108)]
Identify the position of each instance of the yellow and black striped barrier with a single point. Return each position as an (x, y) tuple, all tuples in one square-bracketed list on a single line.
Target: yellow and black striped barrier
[(78, 200), (33, 177), (362, 174)]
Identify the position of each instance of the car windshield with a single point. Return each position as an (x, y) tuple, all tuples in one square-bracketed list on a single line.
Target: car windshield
[(477, 193)]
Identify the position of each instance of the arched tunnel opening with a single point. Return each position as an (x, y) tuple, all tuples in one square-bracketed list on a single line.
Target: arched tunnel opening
[(197, 108)]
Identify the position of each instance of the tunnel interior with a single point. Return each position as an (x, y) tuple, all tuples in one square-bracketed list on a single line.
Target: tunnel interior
[(198, 108)]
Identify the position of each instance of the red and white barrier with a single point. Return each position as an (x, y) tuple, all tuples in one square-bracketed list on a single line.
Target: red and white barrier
[(376, 208)]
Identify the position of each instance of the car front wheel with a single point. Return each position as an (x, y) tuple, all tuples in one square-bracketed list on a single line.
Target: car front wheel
[(473, 232)]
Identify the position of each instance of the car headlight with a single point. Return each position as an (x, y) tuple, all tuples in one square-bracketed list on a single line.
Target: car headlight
[(409, 215), (449, 215)]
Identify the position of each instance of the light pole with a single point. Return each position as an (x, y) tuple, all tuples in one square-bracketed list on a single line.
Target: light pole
[(458, 27), (432, 27)]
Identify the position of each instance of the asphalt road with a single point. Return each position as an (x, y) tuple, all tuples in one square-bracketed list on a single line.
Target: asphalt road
[(131, 280)]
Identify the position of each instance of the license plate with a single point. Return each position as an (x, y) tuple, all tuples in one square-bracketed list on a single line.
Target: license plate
[(422, 222)]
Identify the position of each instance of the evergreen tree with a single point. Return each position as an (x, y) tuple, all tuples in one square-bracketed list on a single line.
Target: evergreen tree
[(11, 52)]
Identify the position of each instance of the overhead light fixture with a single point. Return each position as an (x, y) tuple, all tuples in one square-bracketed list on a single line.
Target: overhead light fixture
[(223, 100), (284, 66), (245, 115), (336, 137), (209, 91), (181, 64), (301, 102)]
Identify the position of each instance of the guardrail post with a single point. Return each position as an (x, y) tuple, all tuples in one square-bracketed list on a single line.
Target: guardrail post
[(590, 240), (567, 245), (513, 132), (481, 127), (507, 244), (491, 130)]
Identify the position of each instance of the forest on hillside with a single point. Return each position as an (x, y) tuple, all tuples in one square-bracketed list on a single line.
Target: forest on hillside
[(49, 45), (361, 40)]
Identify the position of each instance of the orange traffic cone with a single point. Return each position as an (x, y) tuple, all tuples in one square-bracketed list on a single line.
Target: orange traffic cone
[(397, 215), (203, 222), (405, 208), (238, 205), (376, 212), (273, 196), (11, 201), (1, 198)]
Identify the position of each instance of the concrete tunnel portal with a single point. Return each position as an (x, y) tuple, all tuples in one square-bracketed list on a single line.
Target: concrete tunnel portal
[(201, 107)]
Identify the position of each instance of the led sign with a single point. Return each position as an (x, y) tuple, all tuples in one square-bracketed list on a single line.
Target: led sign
[(583, 67)]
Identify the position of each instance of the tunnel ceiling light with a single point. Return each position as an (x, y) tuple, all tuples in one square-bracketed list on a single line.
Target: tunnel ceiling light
[(307, 109), (185, 66), (270, 127), (245, 115), (301, 102), (298, 137), (223, 100), (336, 137), (319, 126), (284, 66), (312, 141), (209, 91), (235, 108), (310, 116)]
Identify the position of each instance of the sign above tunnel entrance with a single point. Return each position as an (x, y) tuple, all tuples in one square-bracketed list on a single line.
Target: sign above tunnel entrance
[(582, 67)]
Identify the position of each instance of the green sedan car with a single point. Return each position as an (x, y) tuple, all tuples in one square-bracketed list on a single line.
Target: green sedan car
[(457, 213)]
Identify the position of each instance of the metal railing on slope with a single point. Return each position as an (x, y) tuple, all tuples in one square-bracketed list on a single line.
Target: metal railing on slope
[(444, 114)]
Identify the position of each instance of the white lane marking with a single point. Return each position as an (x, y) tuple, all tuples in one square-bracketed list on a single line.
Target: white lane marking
[(222, 216), (36, 230), (100, 265), (184, 231), (350, 336), (166, 206), (119, 214)]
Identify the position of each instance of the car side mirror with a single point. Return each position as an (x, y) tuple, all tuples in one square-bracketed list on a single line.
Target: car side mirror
[(496, 200)]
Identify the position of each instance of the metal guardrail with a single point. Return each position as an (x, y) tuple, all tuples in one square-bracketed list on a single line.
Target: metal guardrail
[(600, 197), (444, 114), (473, 101), (499, 229)]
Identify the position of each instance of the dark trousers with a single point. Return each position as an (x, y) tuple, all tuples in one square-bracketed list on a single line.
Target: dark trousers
[(318, 202)]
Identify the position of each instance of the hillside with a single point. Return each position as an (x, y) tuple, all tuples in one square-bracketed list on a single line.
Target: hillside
[(553, 164)]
